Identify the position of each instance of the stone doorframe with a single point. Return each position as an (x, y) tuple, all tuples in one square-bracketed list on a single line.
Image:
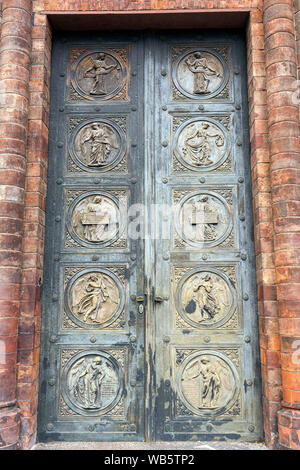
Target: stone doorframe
[(25, 56)]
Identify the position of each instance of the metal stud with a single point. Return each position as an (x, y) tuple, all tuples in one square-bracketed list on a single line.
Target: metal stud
[(132, 383), (202, 179), (201, 107), (243, 256), (163, 72), (238, 107), (133, 180), (134, 108), (53, 339), (54, 297), (59, 181), (164, 143), (51, 382), (251, 428), (206, 339), (242, 217), (241, 179), (204, 257), (58, 218), (95, 258), (164, 107), (50, 427), (60, 145), (166, 256), (164, 180), (247, 339), (245, 297), (132, 339), (93, 339), (61, 110)]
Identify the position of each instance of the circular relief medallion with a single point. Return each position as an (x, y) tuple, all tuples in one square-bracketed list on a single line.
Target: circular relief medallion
[(200, 73), (92, 383), (203, 219), (205, 298), (94, 219), (94, 297), (208, 383), (98, 75), (97, 145), (201, 144)]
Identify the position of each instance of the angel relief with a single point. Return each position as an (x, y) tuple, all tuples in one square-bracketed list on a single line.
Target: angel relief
[(206, 298), (94, 298), (99, 70), (207, 382), (96, 219), (97, 144)]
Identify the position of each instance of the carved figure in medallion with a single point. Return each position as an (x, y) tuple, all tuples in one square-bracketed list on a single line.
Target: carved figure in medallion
[(92, 382), (99, 70), (202, 70), (95, 297), (199, 74), (86, 382), (206, 297), (204, 218), (197, 144), (101, 142), (95, 218), (208, 382)]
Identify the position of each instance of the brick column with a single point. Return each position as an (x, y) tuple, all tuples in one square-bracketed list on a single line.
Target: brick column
[(284, 141), (15, 47)]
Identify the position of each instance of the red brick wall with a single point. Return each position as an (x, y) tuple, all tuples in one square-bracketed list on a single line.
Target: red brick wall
[(271, 67)]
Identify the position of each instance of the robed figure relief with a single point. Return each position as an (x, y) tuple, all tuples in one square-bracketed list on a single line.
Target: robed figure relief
[(203, 70), (95, 298), (96, 219), (199, 144), (92, 382), (97, 143), (100, 70), (206, 297), (207, 382), (85, 382)]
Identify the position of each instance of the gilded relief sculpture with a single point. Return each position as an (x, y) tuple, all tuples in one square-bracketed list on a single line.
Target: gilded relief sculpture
[(96, 219), (97, 142), (203, 69), (99, 70), (95, 298)]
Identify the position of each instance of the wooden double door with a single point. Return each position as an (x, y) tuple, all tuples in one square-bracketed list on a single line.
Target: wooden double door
[(149, 324)]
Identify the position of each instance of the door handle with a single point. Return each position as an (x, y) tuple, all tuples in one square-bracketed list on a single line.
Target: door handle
[(159, 298)]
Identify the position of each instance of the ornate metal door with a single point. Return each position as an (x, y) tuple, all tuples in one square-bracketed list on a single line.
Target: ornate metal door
[(149, 307)]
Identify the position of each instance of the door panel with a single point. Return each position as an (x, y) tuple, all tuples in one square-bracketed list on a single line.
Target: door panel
[(93, 340), (149, 337), (205, 337)]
